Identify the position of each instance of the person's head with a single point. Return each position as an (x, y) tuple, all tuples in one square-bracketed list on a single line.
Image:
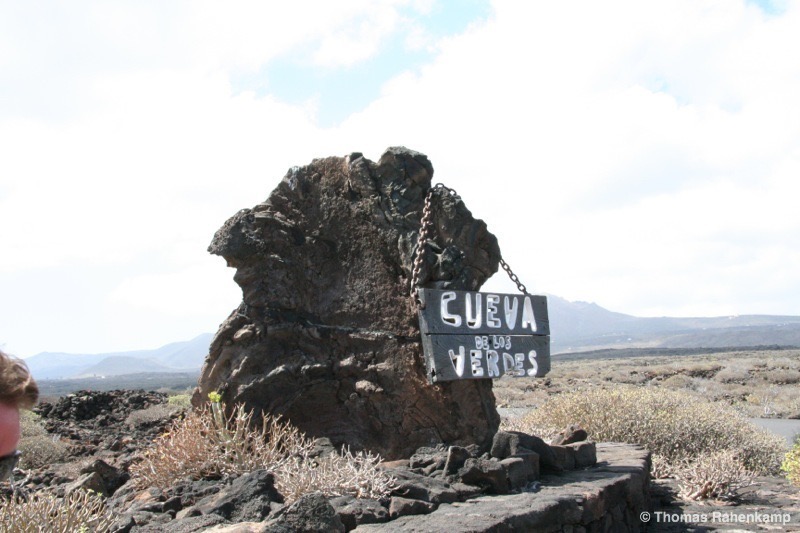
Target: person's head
[(18, 391)]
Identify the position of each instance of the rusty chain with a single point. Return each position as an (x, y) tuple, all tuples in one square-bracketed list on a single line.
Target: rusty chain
[(424, 233)]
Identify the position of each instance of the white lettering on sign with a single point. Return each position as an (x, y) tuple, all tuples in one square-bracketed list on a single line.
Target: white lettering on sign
[(491, 311), (491, 362), (511, 311), (528, 320), (447, 317), (508, 363), (475, 312), (458, 360), (484, 358), (475, 360), (534, 364), (474, 321)]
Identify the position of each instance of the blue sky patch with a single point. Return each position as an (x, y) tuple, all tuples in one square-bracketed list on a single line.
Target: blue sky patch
[(339, 92), (771, 7)]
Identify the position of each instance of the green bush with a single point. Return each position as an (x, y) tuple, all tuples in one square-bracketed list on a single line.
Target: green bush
[(791, 464), (184, 401), (676, 425)]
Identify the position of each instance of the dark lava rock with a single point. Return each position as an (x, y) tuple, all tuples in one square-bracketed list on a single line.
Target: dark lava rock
[(572, 433), (485, 473), (511, 443), (404, 507), (419, 487), (92, 421), (456, 457), (355, 511), (311, 513), (247, 499), (327, 335)]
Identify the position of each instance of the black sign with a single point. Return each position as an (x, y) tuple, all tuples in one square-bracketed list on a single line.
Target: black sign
[(474, 335)]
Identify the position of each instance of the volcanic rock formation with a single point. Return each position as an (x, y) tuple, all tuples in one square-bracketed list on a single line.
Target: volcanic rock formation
[(327, 334)]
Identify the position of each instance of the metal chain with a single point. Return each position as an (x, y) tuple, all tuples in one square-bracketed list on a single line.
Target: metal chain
[(424, 232), (513, 276)]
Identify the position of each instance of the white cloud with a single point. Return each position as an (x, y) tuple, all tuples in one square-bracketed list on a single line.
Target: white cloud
[(641, 155)]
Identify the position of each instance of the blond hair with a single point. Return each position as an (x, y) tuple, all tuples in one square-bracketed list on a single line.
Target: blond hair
[(17, 387)]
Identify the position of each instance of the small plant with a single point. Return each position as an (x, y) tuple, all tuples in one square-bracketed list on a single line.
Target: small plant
[(183, 401), (44, 511), (719, 475), (38, 447), (660, 468), (791, 463)]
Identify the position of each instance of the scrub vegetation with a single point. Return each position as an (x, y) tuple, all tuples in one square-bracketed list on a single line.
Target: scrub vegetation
[(691, 412), (208, 444), (38, 447), (78, 511)]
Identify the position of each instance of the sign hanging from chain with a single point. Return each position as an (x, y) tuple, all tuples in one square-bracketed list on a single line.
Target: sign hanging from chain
[(475, 335)]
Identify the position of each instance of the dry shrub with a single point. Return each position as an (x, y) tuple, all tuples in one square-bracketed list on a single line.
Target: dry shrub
[(703, 370), (38, 447), (660, 468), (781, 376), (205, 444), (676, 425), (42, 450), (335, 475), (546, 432), (718, 475), (679, 381), (44, 511), (632, 377), (738, 373)]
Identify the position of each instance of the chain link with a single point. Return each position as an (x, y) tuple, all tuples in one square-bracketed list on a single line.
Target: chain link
[(513, 276), (424, 235)]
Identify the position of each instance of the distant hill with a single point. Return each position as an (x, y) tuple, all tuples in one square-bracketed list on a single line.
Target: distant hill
[(120, 365), (581, 326), (575, 327), (185, 356)]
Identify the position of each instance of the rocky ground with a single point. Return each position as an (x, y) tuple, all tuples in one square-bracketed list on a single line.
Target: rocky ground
[(103, 445)]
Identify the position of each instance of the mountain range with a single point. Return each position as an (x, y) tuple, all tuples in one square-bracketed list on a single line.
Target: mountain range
[(574, 327), (582, 326), (176, 357)]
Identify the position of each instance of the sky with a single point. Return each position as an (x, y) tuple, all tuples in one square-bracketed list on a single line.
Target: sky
[(644, 156)]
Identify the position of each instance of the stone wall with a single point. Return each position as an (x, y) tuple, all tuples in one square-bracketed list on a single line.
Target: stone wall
[(607, 497)]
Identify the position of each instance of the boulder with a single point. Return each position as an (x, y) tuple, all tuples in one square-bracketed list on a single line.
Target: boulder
[(311, 513), (456, 457), (486, 473), (405, 507), (356, 511), (585, 453), (247, 498), (90, 481), (112, 477), (327, 335), (519, 442), (572, 433), (419, 487)]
